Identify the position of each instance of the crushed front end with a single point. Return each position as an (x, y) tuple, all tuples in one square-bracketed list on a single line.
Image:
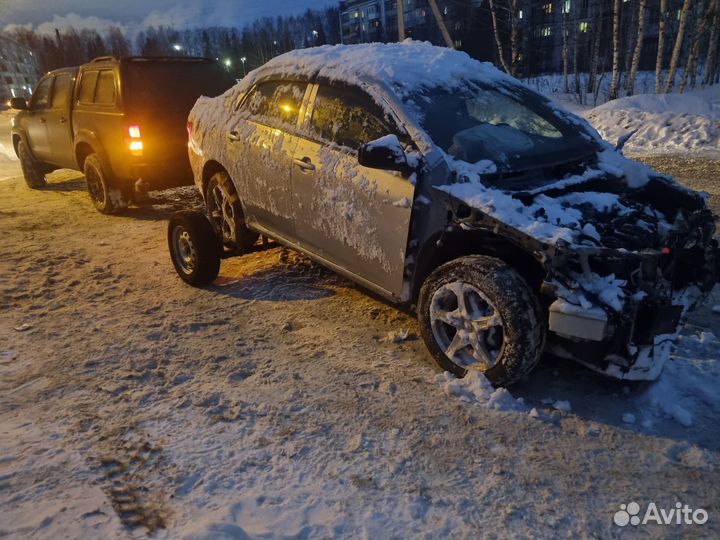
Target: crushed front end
[(620, 303)]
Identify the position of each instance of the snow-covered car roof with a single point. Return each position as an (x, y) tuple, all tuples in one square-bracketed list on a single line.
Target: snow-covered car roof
[(404, 66)]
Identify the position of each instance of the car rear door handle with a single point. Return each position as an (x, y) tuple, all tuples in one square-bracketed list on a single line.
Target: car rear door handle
[(63, 119), (305, 164), (43, 119), (233, 136)]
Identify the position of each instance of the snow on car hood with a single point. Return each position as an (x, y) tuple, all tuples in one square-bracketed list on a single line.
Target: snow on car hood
[(570, 216)]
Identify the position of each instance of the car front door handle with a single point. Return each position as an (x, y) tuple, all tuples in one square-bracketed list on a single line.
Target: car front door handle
[(233, 136), (63, 120), (43, 119), (304, 163)]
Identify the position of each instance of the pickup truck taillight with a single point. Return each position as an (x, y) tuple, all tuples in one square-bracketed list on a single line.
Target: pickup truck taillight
[(189, 130), (136, 145)]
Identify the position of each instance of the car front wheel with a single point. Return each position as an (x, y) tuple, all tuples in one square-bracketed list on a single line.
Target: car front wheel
[(105, 195), (478, 313), (194, 247), (34, 178)]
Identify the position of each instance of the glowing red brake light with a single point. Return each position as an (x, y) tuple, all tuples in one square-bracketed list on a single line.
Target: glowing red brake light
[(189, 129), (134, 131)]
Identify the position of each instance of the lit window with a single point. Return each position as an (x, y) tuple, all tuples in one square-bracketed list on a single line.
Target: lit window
[(583, 26), (520, 14), (546, 31), (566, 6), (547, 8)]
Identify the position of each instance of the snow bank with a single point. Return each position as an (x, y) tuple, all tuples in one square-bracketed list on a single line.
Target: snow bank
[(665, 123)]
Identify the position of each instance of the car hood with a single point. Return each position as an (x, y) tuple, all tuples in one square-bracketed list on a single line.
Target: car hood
[(603, 200)]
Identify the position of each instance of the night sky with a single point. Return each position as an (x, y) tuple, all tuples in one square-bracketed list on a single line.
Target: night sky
[(135, 14)]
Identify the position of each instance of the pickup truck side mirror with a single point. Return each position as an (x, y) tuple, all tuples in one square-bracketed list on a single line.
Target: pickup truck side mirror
[(384, 153), (18, 103)]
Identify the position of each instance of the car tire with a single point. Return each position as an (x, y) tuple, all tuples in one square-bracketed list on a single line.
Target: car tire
[(195, 248), (226, 214), (34, 178), (104, 193), (477, 312)]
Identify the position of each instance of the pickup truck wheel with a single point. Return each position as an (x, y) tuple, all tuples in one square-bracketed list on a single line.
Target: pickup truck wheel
[(226, 214), (194, 247), (34, 178), (106, 197), (478, 313)]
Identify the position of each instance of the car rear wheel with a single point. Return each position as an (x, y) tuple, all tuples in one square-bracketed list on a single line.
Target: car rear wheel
[(105, 195), (226, 214), (194, 247), (478, 313), (34, 178)]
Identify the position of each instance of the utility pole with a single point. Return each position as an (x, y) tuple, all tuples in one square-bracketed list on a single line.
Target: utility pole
[(401, 19), (441, 24)]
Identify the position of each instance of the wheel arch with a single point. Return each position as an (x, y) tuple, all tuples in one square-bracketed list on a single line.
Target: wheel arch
[(463, 243), (210, 168), (82, 150)]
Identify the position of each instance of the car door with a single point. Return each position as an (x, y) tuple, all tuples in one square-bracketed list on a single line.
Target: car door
[(36, 120), (260, 150), (352, 216), (59, 131)]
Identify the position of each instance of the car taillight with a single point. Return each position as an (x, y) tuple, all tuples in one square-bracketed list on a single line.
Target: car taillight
[(189, 129), (136, 145)]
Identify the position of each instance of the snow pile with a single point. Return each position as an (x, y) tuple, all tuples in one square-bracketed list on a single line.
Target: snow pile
[(691, 378), (665, 123), (475, 388)]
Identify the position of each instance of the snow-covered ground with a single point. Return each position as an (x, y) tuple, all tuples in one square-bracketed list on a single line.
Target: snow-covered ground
[(284, 402)]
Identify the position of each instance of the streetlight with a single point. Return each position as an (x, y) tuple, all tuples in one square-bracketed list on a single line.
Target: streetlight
[(243, 63), (177, 47), (227, 63)]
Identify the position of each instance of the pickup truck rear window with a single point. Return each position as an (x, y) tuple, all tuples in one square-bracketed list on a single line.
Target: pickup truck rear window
[(87, 86), (61, 90), (172, 85)]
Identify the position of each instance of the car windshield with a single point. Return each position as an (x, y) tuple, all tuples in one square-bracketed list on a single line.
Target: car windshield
[(172, 85), (508, 124)]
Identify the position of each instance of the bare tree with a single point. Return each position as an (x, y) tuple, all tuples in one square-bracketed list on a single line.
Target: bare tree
[(711, 59), (661, 46), (630, 86), (498, 39), (576, 75), (514, 38), (595, 48), (617, 5), (678, 46), (566, 86), (703, 20)]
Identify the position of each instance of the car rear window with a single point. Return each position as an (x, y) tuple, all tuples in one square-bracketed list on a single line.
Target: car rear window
[(87, 86), (61, 91), (172, 85), (105, 91)]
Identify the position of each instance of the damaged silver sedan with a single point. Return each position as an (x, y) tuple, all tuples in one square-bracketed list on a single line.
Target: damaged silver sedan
[(452, 190)]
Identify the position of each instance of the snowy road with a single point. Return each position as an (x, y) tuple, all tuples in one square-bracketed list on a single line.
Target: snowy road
[(275, 405)]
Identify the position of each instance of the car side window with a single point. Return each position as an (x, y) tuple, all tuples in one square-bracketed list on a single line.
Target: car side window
[(347, 117), (86, 91), (105, 89), (276, 99), (61, 91), (41, 95)]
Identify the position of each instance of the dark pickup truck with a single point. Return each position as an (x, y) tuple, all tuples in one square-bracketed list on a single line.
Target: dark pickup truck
[(121, 122)]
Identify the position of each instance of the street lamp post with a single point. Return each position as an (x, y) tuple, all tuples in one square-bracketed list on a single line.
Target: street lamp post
[(243, 59)]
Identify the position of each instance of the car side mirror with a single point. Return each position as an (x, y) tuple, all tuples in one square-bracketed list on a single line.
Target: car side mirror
[(19, 103), (384, 153)]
